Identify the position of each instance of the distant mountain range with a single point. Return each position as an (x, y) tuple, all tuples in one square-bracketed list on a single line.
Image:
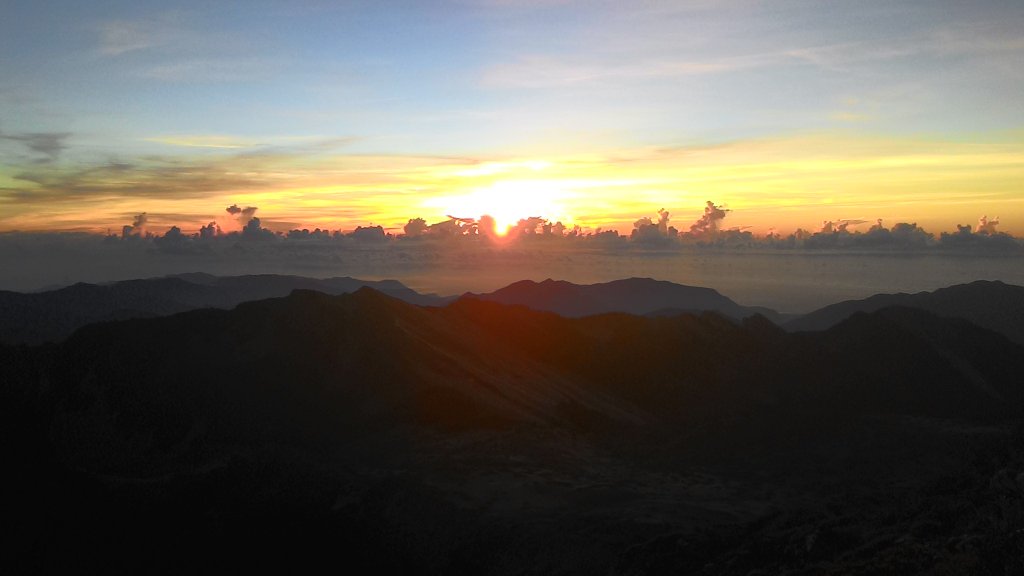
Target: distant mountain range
[(33, 318), (359, 430), (53, 315), (641, 296), (990, 304)]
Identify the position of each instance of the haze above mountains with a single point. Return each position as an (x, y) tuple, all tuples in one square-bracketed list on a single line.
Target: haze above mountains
[(630, 427)]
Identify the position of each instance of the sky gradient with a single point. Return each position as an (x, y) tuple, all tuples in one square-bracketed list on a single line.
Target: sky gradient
[(339, 114)]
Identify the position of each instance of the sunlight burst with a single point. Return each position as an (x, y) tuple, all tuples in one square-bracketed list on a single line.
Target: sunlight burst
[(507, 202)]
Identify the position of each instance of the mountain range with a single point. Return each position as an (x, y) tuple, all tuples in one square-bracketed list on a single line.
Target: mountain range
[(642, 296), (360, 431), (991, 304), (53, 315)]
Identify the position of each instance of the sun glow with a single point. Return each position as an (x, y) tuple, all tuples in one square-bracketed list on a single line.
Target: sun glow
[(507, 202)]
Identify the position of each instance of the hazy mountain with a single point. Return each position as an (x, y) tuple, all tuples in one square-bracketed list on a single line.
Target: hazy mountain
[(991, 304), (364, 432), (641, 296), (52, 315)]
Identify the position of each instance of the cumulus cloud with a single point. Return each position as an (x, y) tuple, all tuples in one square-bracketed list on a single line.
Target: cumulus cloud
[(830, 226), (708, 224), (137, 227), (647, 231), (415, 227), (987, 226), (209, 231)]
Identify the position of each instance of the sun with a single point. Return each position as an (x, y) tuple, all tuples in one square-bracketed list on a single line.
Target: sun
[(507, 202)]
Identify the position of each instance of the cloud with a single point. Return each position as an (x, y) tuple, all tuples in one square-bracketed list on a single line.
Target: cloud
[(547, 71), (175, 47), (253, 147), (707, 225), (985, 39), (167, 30), (211, 70), (50, 144), (136, 228), (120, 37), (204, 141), (850, 117), (154, 177)]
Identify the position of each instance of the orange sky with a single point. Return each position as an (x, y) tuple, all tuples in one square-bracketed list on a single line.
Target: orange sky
[(781, 183)]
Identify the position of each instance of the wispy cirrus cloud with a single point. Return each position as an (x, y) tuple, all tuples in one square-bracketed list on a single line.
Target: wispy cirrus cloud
[(203, 69), (204, 141), (545, 71), (980, 39), (118, 37), (539, 71), (174, 47), (256, 146)]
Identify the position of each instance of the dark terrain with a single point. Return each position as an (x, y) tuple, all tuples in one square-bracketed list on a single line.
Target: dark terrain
[(641, 296), (990, 304), (366, 433), (51, 316)]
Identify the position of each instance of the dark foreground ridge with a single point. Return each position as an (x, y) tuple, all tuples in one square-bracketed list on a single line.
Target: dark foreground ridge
[(361, 432)]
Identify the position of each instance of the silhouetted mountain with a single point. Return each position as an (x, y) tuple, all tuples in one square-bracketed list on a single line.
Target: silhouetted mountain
[(910, 361), (641, 296), (361, 432), (51, 316), (991, 304)]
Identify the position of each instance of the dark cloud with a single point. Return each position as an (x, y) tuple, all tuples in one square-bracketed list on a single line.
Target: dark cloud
[(209, 231), (243, 215), (164, 178), (254, 231), (137, 227), (49, 144)]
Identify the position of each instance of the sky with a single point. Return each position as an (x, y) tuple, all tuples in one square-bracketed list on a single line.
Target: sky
[(347, 113)]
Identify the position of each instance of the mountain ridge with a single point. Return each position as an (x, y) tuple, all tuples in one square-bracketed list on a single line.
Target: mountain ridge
[(991, 304), (37, 317), (632, 295)]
